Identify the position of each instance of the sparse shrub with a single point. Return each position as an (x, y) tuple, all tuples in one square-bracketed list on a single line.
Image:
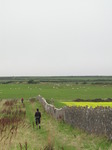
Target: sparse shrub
[(20, 146), (26, 146), (31, 81), (49, 147), (32, 100)]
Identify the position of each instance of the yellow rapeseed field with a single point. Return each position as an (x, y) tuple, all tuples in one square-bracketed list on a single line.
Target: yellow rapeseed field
[(89, 104)]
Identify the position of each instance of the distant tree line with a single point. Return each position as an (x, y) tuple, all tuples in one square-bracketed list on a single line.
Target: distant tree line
[(58, 79)]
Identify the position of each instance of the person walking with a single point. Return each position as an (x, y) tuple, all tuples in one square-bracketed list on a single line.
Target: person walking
[(22, 99), (38, 117)]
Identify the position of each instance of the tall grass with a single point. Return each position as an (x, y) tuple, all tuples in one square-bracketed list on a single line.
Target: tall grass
[(54, 135)]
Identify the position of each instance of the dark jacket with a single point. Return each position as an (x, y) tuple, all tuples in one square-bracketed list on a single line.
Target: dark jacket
[(37, 115)]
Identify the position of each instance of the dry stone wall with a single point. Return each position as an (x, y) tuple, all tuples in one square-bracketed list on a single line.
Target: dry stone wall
[(97, 120), (50, 109)]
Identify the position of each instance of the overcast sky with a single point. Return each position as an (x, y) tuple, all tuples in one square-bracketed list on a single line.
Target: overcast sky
[(61, 37)]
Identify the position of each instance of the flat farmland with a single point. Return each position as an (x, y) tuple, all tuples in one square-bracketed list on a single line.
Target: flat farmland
[(61, 92)]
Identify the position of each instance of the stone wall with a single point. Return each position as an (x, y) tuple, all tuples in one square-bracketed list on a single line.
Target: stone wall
[(97, 120), (50, 109)]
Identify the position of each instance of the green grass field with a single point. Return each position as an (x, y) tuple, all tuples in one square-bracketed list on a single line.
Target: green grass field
[(60, 92), (65, 92)]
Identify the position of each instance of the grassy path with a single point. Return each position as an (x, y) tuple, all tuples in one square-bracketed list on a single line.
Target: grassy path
[(50, 133), (62, 136)]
